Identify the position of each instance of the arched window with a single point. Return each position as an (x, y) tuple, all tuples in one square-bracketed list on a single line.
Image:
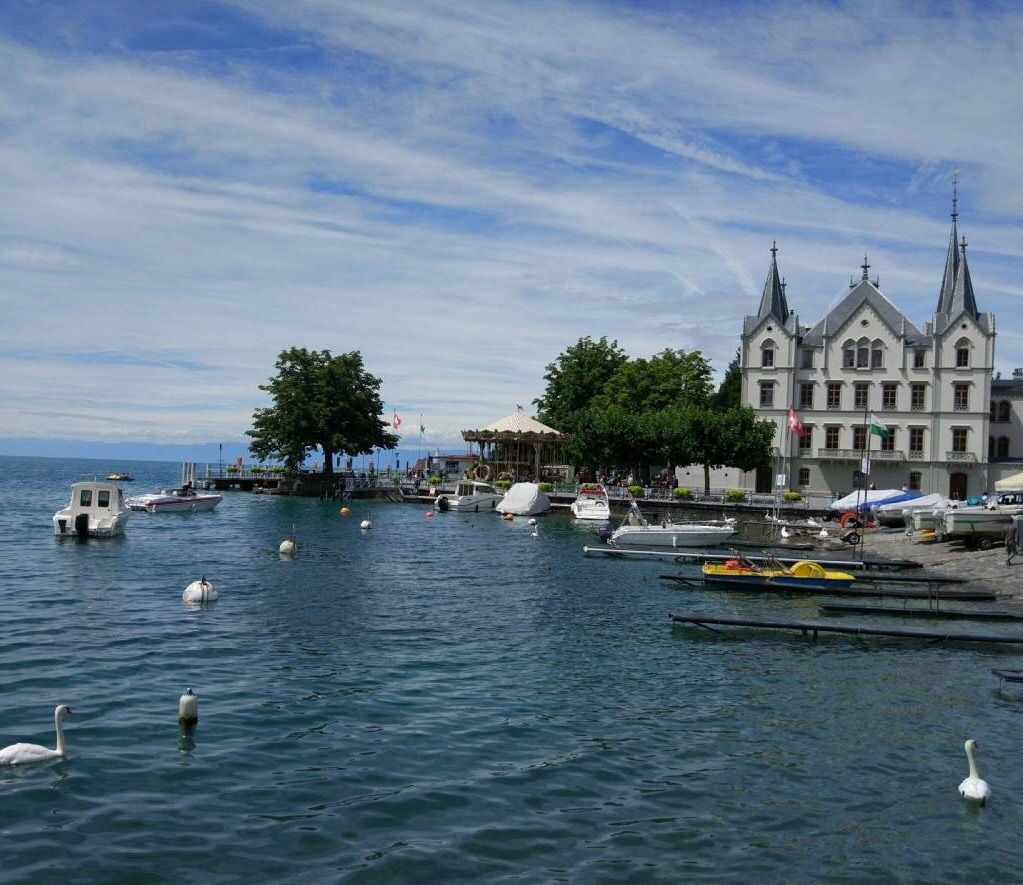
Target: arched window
[(767, 354), (1003, 410), (1003, 447), (849, 355), (963, 348), (914, 480), (990, 446), (877, 354), (862, 353), (994, 410)]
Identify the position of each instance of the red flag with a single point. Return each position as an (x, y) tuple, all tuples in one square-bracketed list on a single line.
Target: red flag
[(395, 420), (795, 425)]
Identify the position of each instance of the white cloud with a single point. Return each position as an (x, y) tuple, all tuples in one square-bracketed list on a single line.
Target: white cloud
[(460, 193)]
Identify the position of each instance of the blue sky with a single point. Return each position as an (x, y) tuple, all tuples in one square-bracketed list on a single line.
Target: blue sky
[(461, 191)]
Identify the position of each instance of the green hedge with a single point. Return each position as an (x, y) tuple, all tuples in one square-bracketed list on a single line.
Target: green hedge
[(792, 496), (546, 486), (503, 484), (636, 491), (735, 495), (682, 493)]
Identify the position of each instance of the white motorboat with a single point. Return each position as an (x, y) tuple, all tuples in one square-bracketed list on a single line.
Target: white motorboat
[(635, 531), (524, 499), (592, 503), (97, 509), (472, 496), (183, 499)]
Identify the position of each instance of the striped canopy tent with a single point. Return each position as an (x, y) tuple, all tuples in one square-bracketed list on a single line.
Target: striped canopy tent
[(515, 446)]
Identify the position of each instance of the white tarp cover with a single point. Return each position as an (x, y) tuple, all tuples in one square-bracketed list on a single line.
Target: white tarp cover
[(924, 502), (524, 499), (1010, 483), (872, 498)]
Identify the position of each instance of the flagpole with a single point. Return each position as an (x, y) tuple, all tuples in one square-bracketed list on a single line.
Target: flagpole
[(864, 463)]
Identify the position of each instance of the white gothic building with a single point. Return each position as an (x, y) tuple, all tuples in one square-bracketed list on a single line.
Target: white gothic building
[(930, 388)]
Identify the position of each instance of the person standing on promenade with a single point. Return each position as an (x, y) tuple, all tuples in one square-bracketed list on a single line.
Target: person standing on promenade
[(1011, 547)]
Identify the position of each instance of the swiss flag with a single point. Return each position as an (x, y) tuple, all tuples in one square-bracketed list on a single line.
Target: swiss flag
[(795, 425)]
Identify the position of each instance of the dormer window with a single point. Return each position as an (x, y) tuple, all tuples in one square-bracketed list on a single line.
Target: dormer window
[(918, 359), (767, 354)]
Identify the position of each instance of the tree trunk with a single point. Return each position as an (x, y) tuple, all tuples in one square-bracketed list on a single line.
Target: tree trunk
[(328, 460), (706, 479)]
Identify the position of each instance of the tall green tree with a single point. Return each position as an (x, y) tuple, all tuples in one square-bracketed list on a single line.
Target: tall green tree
[(319, 401), (729, 394), (575, 379), (732, 438), (672, 378)]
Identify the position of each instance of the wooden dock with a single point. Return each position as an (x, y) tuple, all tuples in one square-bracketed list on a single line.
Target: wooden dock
[(868, 588), (970, 614), (700, 556), (812, 628)]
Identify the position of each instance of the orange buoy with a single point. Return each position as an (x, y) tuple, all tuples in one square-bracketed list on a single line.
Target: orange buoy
[(429, 514), (345, 511)]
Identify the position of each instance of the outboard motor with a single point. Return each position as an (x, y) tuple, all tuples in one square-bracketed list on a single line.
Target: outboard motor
[(442, 504), (82, 525), (604, 531)]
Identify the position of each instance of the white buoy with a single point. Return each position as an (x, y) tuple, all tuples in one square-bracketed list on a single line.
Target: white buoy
[(289, 546), (532, 520), (365, 524), (200, 591), (188, 708)]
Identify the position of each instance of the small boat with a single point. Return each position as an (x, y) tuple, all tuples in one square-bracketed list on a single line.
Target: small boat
[(635, 531), (592, 503), (805, 575), (97, 510), (524, 499), (470, 495), (120, 477), (178, 500)]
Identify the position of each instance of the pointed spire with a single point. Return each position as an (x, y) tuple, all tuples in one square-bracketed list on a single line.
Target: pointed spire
[(963, 300), (865, 266), (772, 302), (948, 281)]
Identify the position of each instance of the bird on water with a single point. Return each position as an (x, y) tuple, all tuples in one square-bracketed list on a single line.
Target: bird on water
[(23, 754), (974, 787)]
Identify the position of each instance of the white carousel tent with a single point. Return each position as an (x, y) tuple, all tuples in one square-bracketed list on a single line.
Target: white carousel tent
[(514, 443)]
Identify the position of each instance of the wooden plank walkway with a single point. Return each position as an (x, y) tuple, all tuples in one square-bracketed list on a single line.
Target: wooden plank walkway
[(970, 614), (701, 556), (872, 589), (812, 628)]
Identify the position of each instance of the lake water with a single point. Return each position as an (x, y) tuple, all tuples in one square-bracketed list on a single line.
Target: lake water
[(451, 699)]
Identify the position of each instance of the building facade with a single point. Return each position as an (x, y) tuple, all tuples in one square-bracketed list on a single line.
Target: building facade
[(931, 389)]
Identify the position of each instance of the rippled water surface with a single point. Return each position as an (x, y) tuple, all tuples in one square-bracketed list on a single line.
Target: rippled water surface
[(452, 699)]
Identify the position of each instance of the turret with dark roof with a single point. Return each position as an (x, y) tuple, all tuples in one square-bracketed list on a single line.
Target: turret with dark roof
[(772, 302)]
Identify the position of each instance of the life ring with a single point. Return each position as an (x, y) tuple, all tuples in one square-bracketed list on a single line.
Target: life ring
[(850, 520), (482, 472)]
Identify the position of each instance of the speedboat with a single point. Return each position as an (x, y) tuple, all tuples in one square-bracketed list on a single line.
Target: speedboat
[(97, 510), (635, 531), (183, 499), (592, 503), (470, 495), (804, 575), (122, 477)]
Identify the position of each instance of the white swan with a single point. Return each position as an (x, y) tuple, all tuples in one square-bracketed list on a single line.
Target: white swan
[(822, 534), (200, 591), (785, 533), (23, 754), (974, 787)]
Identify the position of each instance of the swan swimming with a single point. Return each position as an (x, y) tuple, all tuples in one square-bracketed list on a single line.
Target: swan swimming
[(23, 754), (200, 591), (974, 787)]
